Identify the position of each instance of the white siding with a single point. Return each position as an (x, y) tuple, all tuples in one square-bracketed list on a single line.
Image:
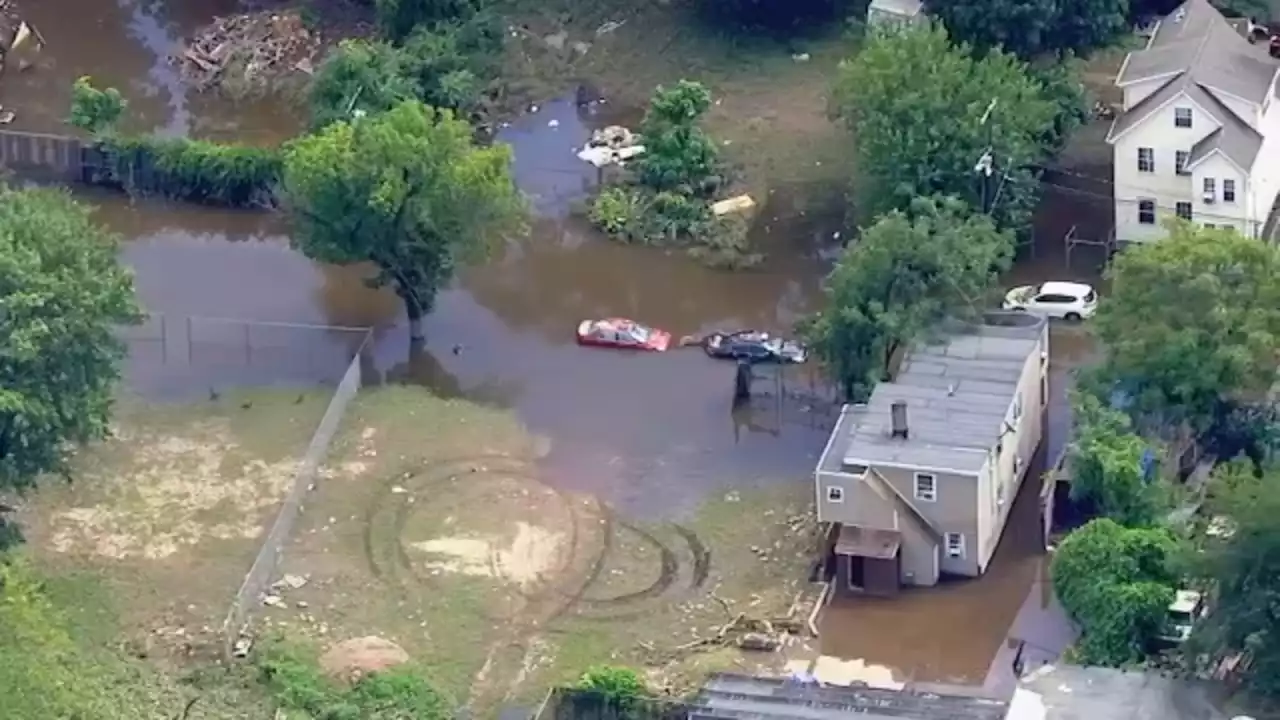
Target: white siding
[(1218, 212), (1164, 185), (1266, 172)]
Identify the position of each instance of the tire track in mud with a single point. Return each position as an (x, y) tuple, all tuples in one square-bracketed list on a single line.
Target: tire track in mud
[(388, 516)]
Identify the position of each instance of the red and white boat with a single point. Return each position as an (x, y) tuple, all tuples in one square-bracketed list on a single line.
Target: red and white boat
[(623, 334)]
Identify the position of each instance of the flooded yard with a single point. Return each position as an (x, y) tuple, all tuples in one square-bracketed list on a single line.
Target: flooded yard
[(653, 436)]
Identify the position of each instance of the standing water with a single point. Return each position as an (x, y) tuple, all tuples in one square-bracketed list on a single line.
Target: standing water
[(653, 433)]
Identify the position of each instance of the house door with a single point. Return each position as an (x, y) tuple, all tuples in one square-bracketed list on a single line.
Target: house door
[(857, 572)]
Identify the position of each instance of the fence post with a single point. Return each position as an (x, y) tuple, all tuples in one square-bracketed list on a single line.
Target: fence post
[(248, 344), (190, 342)]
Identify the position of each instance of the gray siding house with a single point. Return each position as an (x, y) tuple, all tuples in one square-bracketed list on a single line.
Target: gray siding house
[(918, 481)]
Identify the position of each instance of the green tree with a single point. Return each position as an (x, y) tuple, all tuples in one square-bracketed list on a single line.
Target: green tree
[(1072, 103), (678, 154), (407, 190), (1116, 583), (1191, 320), (62, 294), (622, 687), (916, 105), (360, 77), (1244, 570), (1106, 465), (1032, 29), (907, 273), (95, 111), (399, 18)]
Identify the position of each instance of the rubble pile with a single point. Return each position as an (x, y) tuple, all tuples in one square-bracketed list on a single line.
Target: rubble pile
[(250, 48)]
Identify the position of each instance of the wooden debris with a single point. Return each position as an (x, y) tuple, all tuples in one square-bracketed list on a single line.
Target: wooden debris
[(256, 47)]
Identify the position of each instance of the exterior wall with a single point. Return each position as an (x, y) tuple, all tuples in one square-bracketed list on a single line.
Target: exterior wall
[(1164, 185), (1137, 92), (1007, 468), (1237, 214), (955, 510), (1266, 170), (866, 506)]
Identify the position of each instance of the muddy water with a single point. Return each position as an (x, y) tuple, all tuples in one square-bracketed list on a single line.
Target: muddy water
[(653, 433)]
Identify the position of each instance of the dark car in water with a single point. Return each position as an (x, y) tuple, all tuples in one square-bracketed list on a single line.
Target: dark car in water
[(755, 347)]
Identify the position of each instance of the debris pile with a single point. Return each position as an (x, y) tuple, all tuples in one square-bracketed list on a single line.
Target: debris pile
[(250, 49), (611, 145)]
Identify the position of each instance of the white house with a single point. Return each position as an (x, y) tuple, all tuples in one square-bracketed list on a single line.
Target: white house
[(1199, 134), (894, 12)]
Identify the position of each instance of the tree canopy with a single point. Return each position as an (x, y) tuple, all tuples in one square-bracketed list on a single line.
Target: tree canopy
[(916, 105), (1244, 569), (407, 190), (1033, 29), (904, 275), (1191, 320), (1107, 465), (1116, 582), (93, 110), (62, 294)]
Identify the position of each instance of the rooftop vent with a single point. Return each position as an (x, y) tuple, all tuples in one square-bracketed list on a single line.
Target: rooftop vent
[(898, 416)]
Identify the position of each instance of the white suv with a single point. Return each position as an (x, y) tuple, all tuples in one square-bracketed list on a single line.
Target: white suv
[(1066, 300)]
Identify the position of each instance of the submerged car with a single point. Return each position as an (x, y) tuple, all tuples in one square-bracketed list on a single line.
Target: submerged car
[(755, 347), (1066, 300), (622, 333), (1187, 608)]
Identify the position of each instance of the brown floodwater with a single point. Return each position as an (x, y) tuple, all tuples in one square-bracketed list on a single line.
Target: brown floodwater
[(652, 433)]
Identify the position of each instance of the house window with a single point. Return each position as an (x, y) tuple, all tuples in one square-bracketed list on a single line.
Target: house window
[(1182, 117), (955, 545), (926, 487), (1184, 210), (1228, 191), (1210, 226), (1017, 407), (1017, 464), (835, 494), (1210, 189), (999, 494), (1180, 162), (1147, 212), (1146, 160)]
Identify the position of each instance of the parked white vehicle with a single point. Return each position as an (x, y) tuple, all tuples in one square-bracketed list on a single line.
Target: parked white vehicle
[(1187, 609), (1066, 300)]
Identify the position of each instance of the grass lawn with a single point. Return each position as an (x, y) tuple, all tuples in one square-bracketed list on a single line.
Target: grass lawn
[(434, 529), (167, 513)]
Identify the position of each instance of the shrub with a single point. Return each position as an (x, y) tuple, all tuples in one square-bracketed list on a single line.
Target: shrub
[(678, 154), (620, 686), (93, 110), (399, 18), (191, 170)]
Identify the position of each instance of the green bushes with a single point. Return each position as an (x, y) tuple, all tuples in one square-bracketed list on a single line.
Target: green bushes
[(621, 687), (297, 684), (190, 170)]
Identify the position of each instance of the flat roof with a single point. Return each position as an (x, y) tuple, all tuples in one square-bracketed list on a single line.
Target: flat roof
[(1068, 692), (958, 393)]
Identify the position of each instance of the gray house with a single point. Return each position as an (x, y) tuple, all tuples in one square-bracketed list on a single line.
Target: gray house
[(918, 481)]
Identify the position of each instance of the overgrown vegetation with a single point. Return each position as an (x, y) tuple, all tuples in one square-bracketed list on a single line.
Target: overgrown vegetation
[(1117, 583), (620, 687), (665, 197), (296, 682), (180, 168), (1034, 29), (1108, 472), (907, 273)]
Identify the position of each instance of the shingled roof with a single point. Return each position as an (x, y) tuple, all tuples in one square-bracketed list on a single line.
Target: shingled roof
[(1197, 52)]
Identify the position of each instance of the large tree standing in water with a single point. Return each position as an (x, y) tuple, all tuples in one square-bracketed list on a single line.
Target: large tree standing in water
[(407, 190)]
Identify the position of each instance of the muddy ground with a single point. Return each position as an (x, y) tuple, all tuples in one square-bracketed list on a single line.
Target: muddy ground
[(436, 528), (168, 513)]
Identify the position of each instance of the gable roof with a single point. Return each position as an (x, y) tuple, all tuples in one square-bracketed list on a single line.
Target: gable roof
[(1205, 59), (958, 394)]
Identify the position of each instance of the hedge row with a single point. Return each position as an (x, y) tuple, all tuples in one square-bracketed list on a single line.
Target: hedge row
[(190, 170)]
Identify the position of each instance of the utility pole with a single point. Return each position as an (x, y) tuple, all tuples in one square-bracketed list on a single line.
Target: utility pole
[(985, 167)]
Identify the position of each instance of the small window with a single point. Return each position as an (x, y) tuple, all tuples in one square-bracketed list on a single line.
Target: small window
[(1182, 117), (926, 487), (1017, 464), (955, 545), (835, 494), (1017, 407), (1054, 299), (1147, 212), (1180, 162), (999, 494), (1210, 188), (1210, 226), (1146, 160), (1229, 191), (1184, 210)]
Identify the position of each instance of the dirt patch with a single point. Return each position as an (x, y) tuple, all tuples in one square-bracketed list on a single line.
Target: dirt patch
[(351, 659), (169, 510), (439, 531)]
